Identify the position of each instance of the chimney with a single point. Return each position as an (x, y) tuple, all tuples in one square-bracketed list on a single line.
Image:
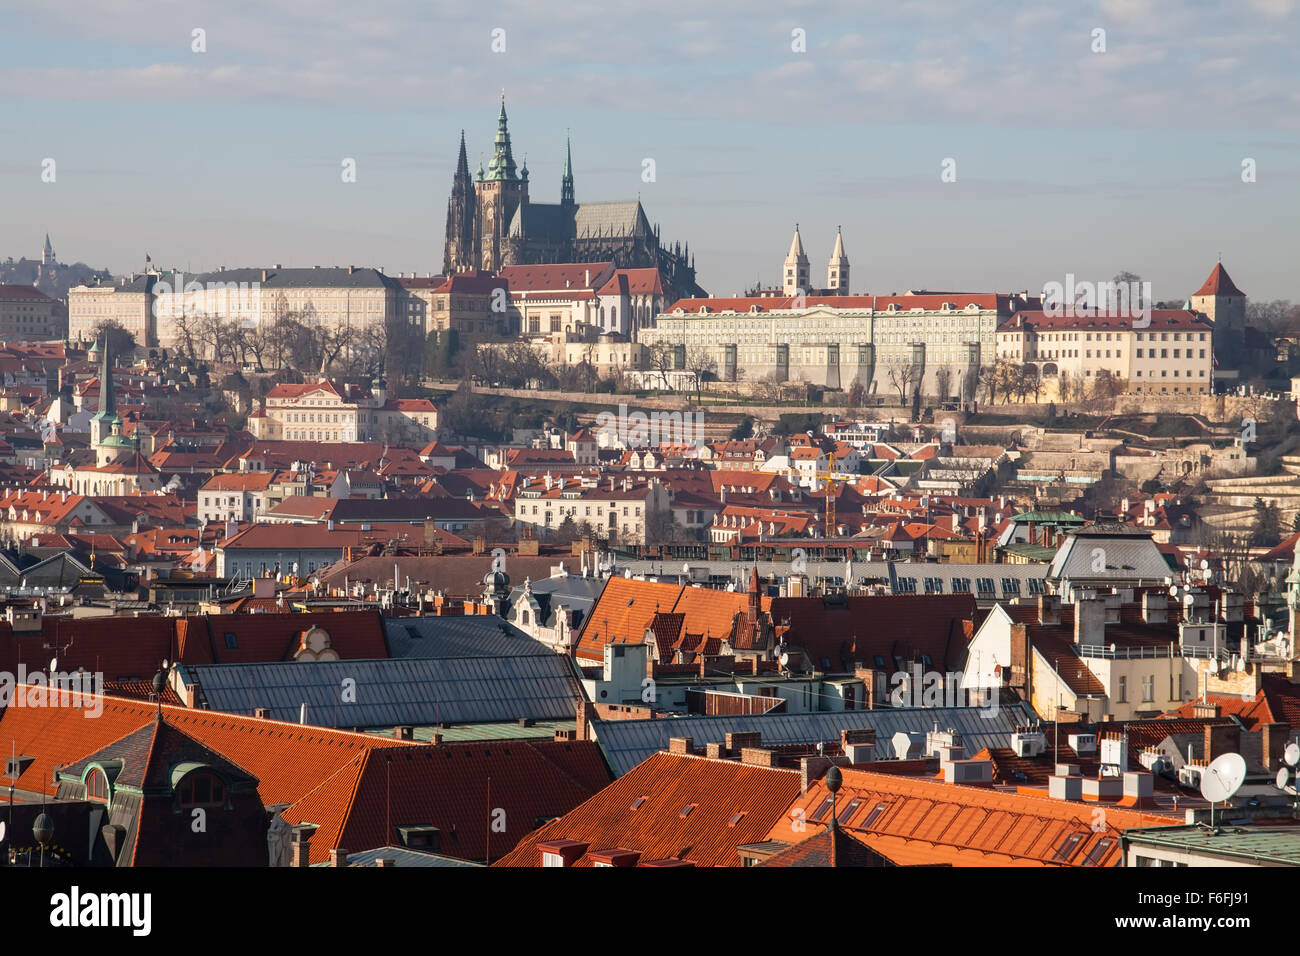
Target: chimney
[(1089, 619), (263, 713), (681, 745), (1221, 739), (811, 770), (1049, 609), (302, 845), (338, 857), (758, 757), (1273, 741), (405, 732), (1155, 607), (738, 740)]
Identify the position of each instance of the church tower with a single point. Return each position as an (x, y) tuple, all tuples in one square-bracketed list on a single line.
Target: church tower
[(837, 270), (106, 426), (47, 254), (462, 218), (1225, 305), (566, 184), (500, 193), (796, 267)]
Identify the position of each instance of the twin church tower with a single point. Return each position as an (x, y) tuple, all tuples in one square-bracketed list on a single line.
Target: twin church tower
[(796, 279)]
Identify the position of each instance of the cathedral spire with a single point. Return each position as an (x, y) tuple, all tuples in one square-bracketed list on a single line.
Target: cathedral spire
[(566, 184), (837, 269), (502, 164), (462, 162)]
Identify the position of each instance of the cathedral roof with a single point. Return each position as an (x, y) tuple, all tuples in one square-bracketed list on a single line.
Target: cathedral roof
[(796, 246), (606, 218)]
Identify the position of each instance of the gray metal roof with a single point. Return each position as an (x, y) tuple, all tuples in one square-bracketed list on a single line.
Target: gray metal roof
[(401, 856), (470, 635), (1009, 580), (396, 692), (628, 742)]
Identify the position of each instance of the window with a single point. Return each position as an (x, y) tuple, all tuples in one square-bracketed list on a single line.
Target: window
[(1067, 847), (232, 643), (1036, 586), (736, 817), (636, 804), (686, 810), (984, 585), (1010, 586), (1098, 852), (961, 585), (874, 815), (97, 786), (1148, 689), (202, 789), (1122, 696), (822, 809)]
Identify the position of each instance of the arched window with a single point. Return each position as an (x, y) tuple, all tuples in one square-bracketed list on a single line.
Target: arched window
[(613, 316), (202, 789), (97, 786)]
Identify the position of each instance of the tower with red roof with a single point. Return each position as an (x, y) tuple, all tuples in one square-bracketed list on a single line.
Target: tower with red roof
[(1225, 305)]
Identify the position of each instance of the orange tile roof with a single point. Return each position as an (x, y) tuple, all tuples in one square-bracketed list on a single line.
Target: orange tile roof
[(926, 821), (643, 811)]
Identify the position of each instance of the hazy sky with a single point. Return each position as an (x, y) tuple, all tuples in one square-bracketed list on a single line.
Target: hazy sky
[(1067, 160)]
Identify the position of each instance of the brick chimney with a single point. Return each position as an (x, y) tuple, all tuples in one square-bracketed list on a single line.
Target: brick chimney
[(302, 845), (738, 740), (758, 757), (405, 733), (338, 857), (1155, 607), (1273, 741), (1221, 739), (586, 714), (681, 745)]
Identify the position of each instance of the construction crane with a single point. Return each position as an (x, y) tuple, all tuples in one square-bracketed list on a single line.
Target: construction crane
[(829, 476)]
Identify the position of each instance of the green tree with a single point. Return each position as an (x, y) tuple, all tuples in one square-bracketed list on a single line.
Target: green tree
[(744, 430)]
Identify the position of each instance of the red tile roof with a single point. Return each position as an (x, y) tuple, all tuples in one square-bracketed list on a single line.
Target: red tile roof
[(458, 788), (642, 811), (1218, 283), (919, 820)]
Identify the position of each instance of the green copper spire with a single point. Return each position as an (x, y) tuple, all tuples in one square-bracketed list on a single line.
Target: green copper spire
[(107, 404), (502, 164)]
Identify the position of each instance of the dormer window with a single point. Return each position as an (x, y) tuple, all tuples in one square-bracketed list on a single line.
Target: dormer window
[(97, 786), (202, 789)]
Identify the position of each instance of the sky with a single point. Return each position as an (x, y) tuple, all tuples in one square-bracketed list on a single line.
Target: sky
[(1072, 151)]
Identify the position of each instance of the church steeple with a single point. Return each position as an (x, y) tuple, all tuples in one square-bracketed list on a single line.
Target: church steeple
[(837, 270), (502, 164), (795, 280), (566, 184), (47, 253)]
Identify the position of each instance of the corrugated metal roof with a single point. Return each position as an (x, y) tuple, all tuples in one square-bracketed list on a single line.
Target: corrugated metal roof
[(628, 742), (393, 692)]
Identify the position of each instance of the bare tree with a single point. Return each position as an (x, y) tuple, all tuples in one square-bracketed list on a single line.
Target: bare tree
[(702, 367), (943, 382), (906, 377)]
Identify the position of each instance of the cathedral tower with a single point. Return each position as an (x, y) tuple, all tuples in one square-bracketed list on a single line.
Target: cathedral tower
[(837, 270), (566, 184), (500, 193), (796, 267), (462, 219)]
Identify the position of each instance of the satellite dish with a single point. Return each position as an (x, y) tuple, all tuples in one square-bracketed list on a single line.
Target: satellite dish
[(1223, 777), (54, 664), (1205, 565), (1292, 754), (785, 659), (2, 831), (1173, 592), (1282, 781)]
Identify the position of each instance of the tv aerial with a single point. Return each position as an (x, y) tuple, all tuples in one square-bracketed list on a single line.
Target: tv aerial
[(1222, 779)]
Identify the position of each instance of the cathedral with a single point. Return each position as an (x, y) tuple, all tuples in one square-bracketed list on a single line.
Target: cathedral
[(491, 223)]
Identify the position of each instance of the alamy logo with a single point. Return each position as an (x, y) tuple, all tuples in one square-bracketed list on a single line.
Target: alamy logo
[(76, 909), (922, 688), (641, 429), (241, 300), (1121, 300), (80, 689)]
